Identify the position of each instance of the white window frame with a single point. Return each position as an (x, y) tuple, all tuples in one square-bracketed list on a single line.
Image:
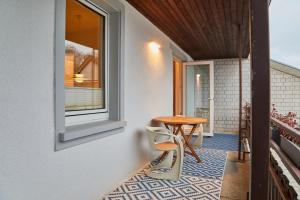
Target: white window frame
[(87, 116)]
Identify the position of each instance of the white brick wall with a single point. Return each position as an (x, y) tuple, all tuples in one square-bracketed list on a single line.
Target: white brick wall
[(227, 93), (285, 92)]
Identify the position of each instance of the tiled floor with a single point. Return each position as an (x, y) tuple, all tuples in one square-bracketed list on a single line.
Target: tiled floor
[(236, 179), (199, 180)]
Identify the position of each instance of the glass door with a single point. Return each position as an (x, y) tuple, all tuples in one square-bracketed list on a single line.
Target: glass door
[(199, 92)]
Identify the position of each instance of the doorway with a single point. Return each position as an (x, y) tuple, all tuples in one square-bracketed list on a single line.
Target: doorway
[(177, 87), (199, 92)]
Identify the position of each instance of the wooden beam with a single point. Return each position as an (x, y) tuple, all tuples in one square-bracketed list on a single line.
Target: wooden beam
[(240, 88), (260, 97)]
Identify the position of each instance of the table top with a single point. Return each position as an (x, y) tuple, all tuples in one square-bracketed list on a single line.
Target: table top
[(180, 120)]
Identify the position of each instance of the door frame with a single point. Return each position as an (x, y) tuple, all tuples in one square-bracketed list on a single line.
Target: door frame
[(176, 59), (211, 89)]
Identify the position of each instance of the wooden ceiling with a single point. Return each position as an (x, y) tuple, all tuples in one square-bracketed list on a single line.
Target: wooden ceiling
[(205, 29)]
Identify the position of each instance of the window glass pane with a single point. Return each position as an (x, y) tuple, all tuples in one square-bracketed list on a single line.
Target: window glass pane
[(84, 58)]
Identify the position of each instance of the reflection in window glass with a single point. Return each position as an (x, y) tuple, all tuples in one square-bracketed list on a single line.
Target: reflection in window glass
[(84, 58)]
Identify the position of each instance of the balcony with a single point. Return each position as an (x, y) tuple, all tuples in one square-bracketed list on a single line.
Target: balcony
[(73, 120), (219, 176)]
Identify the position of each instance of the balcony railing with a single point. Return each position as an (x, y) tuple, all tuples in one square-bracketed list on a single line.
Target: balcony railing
[(284, 174)]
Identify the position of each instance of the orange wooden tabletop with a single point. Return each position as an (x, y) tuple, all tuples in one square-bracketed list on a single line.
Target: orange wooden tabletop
[(180, 120)]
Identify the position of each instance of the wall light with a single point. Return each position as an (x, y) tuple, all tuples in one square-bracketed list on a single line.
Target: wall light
[(79, 78), (198, 81), (154, 47)]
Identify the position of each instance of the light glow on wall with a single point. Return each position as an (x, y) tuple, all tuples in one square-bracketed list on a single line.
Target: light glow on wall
[(198, 81), (154, 47)]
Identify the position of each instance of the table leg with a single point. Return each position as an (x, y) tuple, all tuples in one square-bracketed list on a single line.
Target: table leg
[(183, 135), (175, 133), (179, 128), (187, 142), (192, 132), (167, 127)]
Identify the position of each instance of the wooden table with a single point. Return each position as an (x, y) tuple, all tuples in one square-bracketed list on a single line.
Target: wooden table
[(177, 122)]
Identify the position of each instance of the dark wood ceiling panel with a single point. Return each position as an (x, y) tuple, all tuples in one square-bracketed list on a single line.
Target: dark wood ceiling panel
[(206, 29)]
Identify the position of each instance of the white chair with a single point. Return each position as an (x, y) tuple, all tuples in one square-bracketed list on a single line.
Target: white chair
[(161, 139), (197, 142)]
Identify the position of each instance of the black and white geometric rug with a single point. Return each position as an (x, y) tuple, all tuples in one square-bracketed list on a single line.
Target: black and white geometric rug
[(199, 181)]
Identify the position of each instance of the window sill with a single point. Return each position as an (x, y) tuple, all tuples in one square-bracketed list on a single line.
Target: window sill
[(103, 128)]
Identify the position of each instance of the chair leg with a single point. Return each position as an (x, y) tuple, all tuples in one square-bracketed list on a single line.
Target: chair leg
[(166, 162), (175, 172)]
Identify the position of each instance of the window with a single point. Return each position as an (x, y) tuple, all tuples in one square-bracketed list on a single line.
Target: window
[(89, 46), (85, 63)]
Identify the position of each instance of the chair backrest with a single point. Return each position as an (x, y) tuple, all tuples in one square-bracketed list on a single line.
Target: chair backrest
[(155, 135), (198, 142)]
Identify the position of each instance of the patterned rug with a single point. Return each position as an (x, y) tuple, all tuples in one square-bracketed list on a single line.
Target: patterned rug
[(222, 142), (198, 181), (212, 165)]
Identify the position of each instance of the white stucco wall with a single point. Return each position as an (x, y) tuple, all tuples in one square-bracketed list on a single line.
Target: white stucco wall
[(29, 167)]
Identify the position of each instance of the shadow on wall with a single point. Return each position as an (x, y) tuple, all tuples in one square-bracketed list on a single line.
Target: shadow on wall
[(143, 147)]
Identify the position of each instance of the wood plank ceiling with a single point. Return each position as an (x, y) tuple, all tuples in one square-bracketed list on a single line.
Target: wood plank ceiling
[(205, 29)]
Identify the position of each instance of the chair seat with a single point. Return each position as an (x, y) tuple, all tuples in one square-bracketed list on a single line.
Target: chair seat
[(165, 146)]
